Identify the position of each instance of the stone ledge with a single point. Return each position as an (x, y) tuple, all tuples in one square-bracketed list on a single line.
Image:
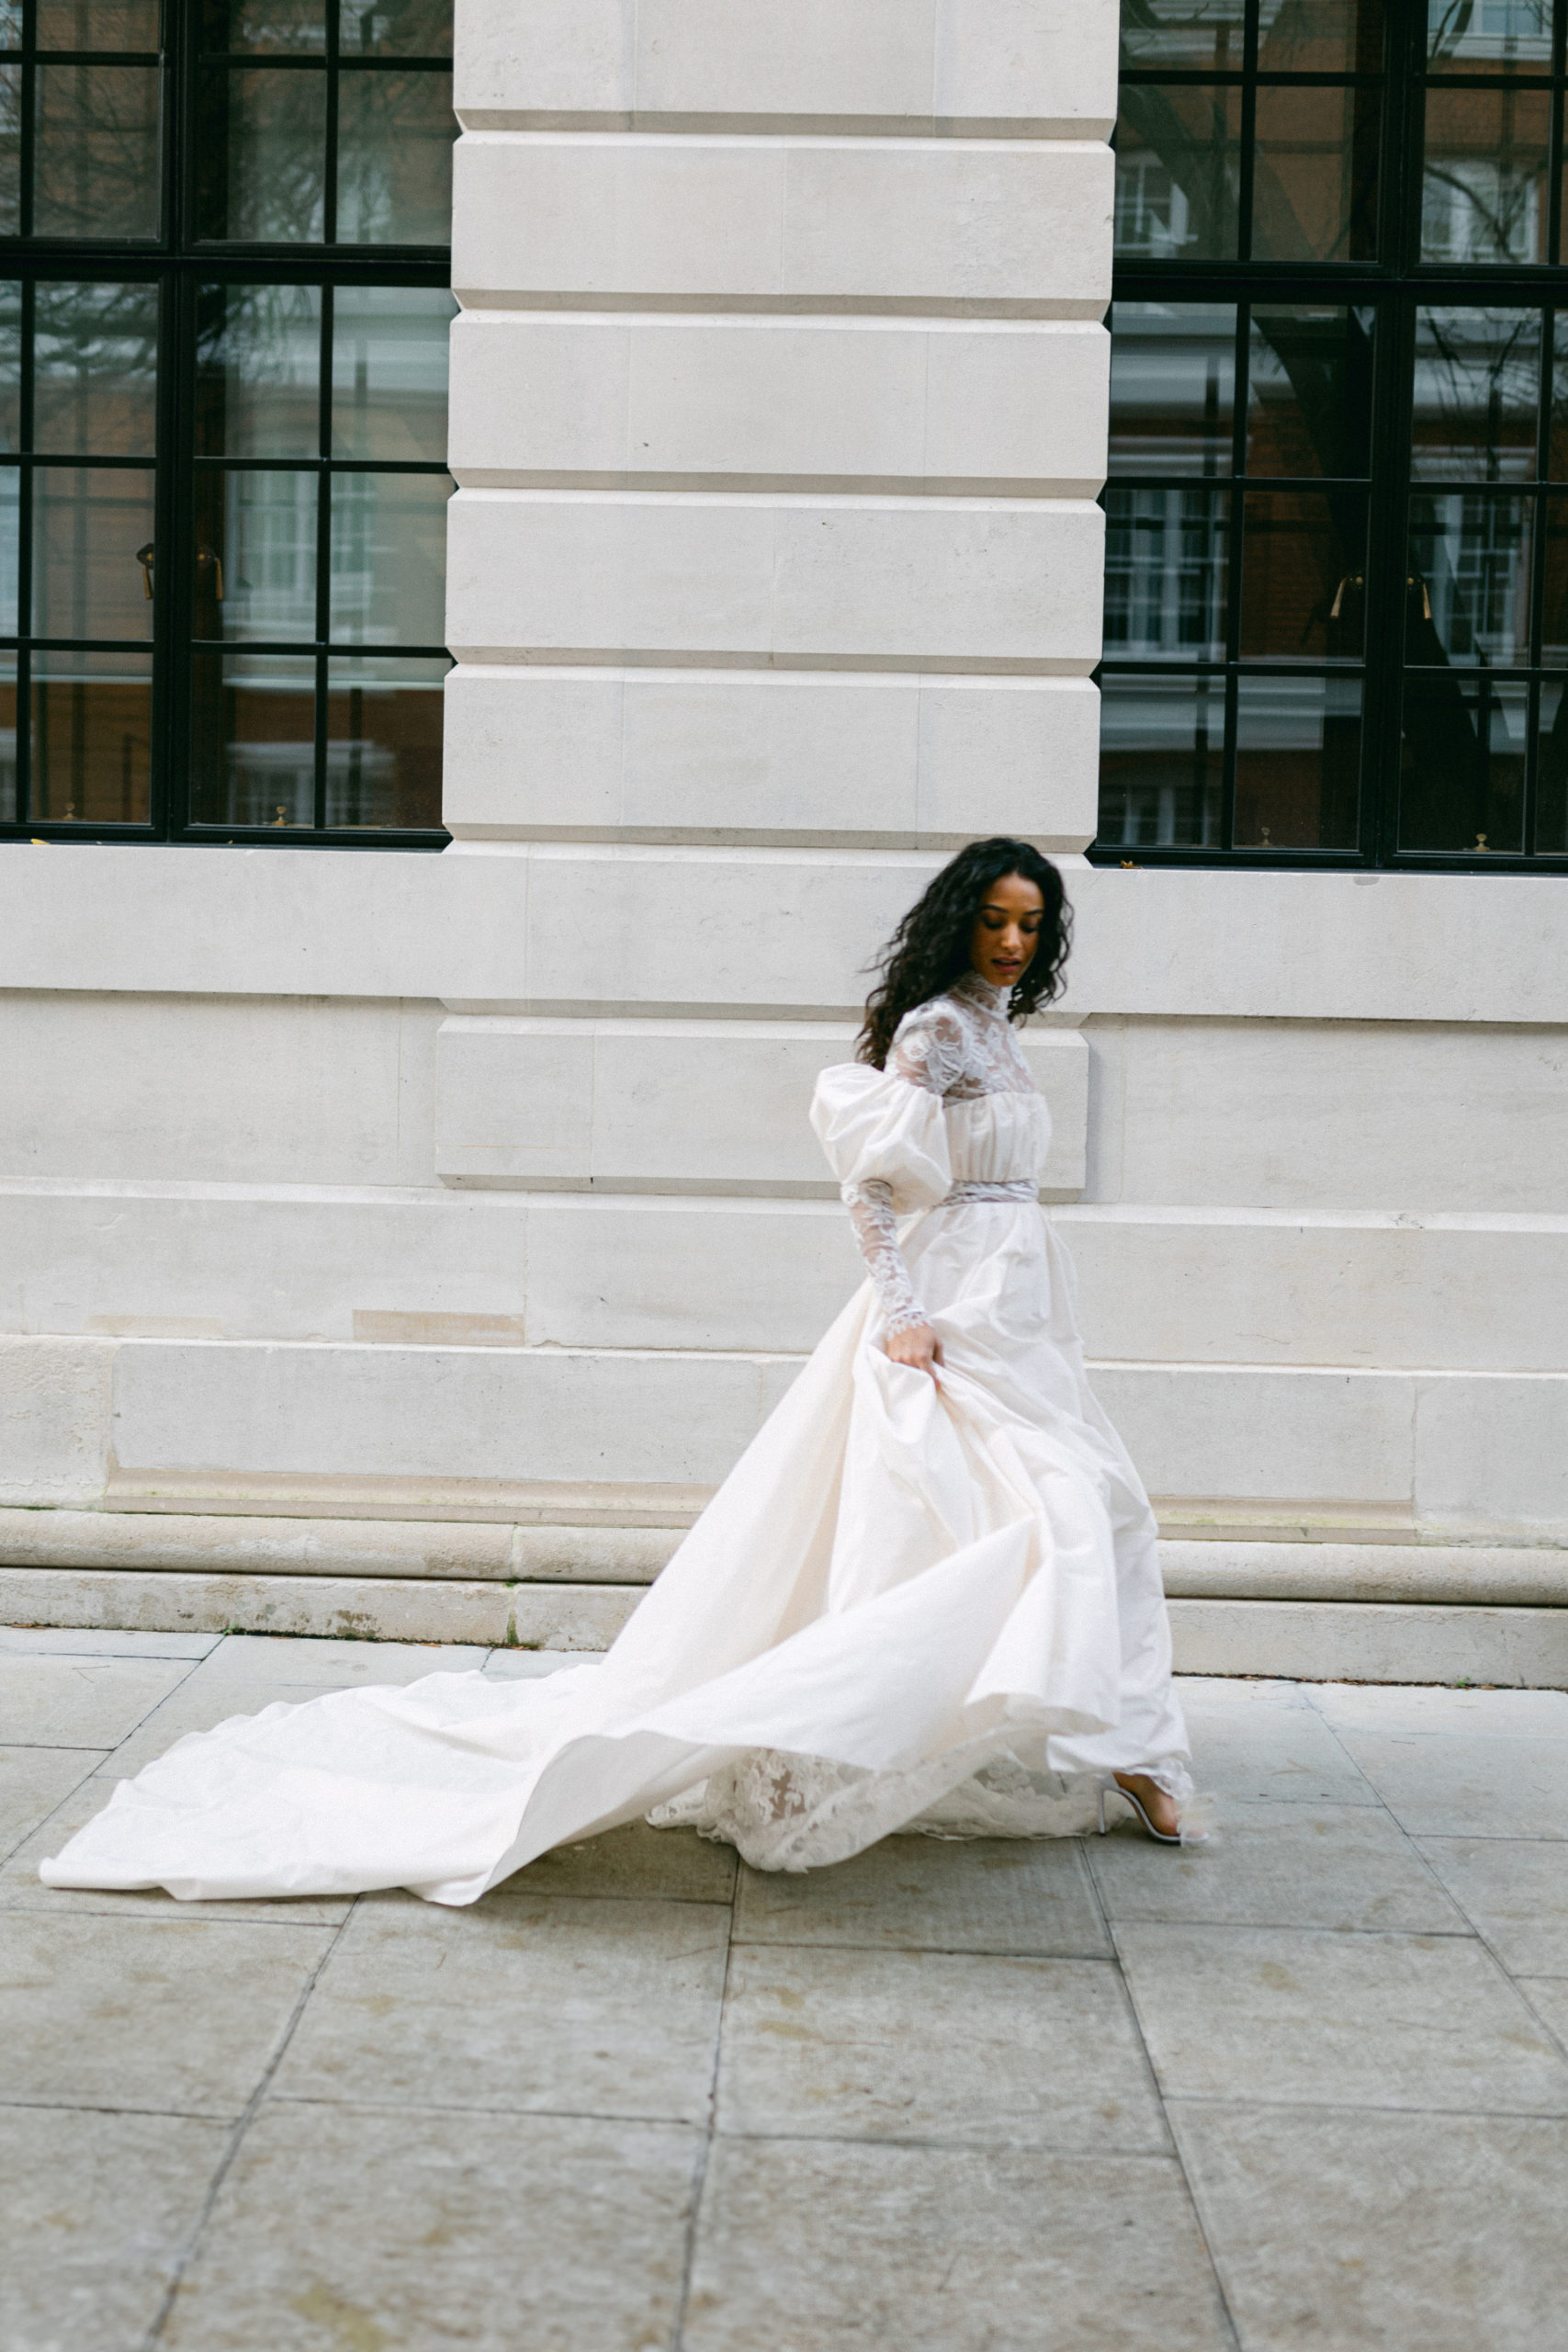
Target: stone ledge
[(1363, 1642)]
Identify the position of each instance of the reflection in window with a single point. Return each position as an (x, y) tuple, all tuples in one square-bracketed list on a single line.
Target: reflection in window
[(1172, 388), (1485, 177), (1298, 763), (1162, 761), (1476, 390), (1470, 571), (1177, 173), (1166, 562), (258, 363), (253, 741), (1463, 757), (96, 369), (388, 387), (92, 738), (384, 742)]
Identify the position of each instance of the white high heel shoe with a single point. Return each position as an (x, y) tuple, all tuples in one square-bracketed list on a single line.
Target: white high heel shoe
[(1162, 1836)]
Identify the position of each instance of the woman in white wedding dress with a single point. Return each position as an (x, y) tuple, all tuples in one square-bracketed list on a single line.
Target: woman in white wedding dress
[(927, 1596)]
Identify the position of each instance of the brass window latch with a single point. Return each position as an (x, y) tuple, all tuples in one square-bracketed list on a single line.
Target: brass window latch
[(205, 556), (144, 556), (1351, 580)]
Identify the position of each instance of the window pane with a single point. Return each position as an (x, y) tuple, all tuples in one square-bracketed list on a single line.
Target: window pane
[(96, 369), (1298, 763), (10, 547), (1483, 185), (384, 742), (1477, 384), (10, 23), (1165, 574), (258, 365), (10, 150), (89, 527), (1177, 174), (395, 29), (1161, 761), (1303, 575), (1320, 37), (1552, 772), (95, 165), (92, 738), (388, 559), (394, 159), (1554, 599), (1470, 562), (1489, 36), (1172, 387), (255, 556), (9, 812), (253, 751), (263, 158), (1191, 33), (1314, 184), (1463, 763), (390, 366), (264, 27), (97, 24), (10, 364), (1309, 394)]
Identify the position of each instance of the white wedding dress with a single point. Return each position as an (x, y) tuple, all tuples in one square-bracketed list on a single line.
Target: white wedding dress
[(914, 1603)]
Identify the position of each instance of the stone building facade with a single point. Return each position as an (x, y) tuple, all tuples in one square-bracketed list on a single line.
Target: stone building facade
[(409, 1241)]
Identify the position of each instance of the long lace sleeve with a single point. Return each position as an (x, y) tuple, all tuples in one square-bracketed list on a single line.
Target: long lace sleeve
[(929, 1053), (875, 1225)]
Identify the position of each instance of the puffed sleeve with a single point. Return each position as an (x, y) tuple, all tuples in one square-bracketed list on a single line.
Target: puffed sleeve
[(885, 1139)]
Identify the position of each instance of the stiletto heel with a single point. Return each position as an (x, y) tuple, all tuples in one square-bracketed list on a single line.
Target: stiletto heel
[(1161, 1836)]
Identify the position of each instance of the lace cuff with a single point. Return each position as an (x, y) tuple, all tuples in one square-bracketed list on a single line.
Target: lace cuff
[(870, 1204)]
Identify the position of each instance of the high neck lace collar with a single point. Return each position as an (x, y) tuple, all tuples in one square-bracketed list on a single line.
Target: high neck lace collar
[(977, 991)]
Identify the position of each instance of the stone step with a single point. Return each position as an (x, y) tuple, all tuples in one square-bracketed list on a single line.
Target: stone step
[(1312, 1640)]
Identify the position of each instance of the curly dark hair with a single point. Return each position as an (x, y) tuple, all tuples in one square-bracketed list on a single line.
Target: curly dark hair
[(929, 949)]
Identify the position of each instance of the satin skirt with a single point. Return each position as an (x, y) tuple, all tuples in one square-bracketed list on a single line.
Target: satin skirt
[(913, 1603)]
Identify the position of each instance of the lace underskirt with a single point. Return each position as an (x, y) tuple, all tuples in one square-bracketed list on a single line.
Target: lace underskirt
[(1024, 1190), (799, 1812)]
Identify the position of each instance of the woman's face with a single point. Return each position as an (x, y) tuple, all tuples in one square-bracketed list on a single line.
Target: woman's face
[(1006, 930)]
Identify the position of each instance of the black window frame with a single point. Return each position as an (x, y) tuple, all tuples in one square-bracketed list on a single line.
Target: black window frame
[(1396, 284), (182, 264)]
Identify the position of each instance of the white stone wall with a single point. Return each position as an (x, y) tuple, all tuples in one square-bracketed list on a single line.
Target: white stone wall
[(479, 1186)]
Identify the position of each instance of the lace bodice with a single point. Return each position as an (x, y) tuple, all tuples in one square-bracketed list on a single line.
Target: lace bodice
[(959, 1048)]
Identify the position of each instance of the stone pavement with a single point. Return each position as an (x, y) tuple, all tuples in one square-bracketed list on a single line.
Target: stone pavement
[(1307, 2089)]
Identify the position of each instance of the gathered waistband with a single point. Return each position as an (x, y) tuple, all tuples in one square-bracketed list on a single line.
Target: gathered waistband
[(1023, 1189)]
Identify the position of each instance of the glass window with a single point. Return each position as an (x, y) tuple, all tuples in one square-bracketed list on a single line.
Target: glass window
[(223, 346), (1336, 516)]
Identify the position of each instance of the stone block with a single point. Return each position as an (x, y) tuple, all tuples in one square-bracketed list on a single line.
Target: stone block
[(1045, 67), (769, 757), (362, 1607), (218, 1088), (54, 1420), (1016, 227), (1491, 1449), (542, 399), (808, 581), (1514, 1894), (1326, 1641), (82, 1703), (1320, 1116), (675, 1106), (923, 1894)]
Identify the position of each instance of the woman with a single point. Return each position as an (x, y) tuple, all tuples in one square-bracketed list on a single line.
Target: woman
[(927, 1595)]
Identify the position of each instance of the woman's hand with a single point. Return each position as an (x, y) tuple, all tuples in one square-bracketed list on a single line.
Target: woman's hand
[(916, 1346)]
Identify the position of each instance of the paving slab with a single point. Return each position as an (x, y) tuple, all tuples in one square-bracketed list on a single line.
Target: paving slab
[(964, 2048), (169, 2016), (527, 1665), (1441, 1711), (1548, 1997), (1515, 1893), (78, 1641), (995, 1894), (21, 1889), (33, 1780), (1350, 2229), (1243, 1752), (47, 1701), (342, 2230), (541, 2002), (1472, 1785), (247, 1672), (1279, 1865), (669, 1865), (818, 2245), (97, 2208), (1337, 2020)]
